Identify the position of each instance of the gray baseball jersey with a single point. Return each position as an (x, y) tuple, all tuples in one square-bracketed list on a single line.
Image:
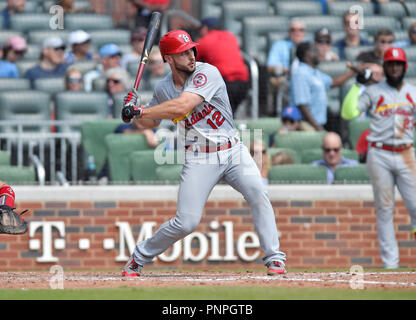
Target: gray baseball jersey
[(392, 114), (211, 120)]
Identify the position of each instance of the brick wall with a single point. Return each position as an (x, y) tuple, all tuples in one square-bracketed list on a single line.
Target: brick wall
[(315, 233)]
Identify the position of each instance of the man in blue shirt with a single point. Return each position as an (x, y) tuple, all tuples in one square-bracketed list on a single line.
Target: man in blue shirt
[(52, 61), (309, 86), (332, 155), (282, 52), (13, 7)]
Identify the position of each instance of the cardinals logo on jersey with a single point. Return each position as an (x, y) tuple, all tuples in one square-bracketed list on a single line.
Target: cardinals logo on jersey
[(200, 80)]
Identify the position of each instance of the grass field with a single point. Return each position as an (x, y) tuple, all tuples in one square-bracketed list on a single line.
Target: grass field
[(207, 293)]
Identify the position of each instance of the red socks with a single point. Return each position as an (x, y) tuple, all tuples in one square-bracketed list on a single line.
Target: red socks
[(7, 196)]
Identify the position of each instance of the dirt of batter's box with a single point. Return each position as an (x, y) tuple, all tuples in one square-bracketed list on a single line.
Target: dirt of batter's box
[(83, 280)]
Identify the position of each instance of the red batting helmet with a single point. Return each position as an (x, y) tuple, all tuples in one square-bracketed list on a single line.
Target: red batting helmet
[(396, 54), (176, 41)]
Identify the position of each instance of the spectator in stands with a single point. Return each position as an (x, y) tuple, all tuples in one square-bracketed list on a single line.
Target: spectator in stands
[(309, 86), (137, 42), (352, 35), (292, 121), (74, 80), (412, 38), (332, 155), (117, 81), (68, 6), (383, 40), (52, 61), (13, 7), (282, 52), (281, 158), (156, 70), (145, 8), (258, 151), (279, 61), (79, 41), (323, 44), (110, 55), (13, 50), (226, 57)]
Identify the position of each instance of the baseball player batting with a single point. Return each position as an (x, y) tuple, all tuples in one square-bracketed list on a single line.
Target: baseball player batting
[(391, 157), (194, 95)]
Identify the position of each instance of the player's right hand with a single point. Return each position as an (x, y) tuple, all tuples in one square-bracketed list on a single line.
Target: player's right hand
[(364, 76)]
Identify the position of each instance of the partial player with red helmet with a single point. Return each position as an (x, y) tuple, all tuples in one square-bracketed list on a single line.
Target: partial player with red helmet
[(195, 95), (391, 106)]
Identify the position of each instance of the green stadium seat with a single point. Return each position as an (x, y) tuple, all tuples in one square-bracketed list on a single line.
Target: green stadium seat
[(269, 125), (6, 34), (5, 158), (87, 21), (84, 5), (407, 22), (256, 31), (170, 174), (93, 138), (411, 69), (24, 65), (25, 105), (119, 146), (25, 22), (295, 155), (144, 167), (210, 8), (351, 175), (14, 175), (32, 52), (80, 106), (38, 36), (333, 68), (410, 53), (313, 23), (355, 128), (401, 35), (50, 85), (372, 24), (7, 84), (310, 155), (351, 53), (117, 36), (396, 9), (85, 66), (340, 7), (235, 11), (145, 97), (298, 8), (297, 174), (299, 140), (99, 84), (334, 105), (334, 93)]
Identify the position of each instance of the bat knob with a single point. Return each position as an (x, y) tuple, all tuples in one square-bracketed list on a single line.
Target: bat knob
[(127, 113)]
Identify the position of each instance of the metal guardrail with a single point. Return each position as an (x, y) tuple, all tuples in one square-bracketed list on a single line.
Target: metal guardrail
[(19, 135)]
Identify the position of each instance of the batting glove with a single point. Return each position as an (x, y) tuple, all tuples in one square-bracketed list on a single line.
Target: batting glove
[(130, 109), (364, 76)]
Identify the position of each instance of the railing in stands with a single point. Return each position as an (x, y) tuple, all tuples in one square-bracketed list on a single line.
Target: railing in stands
[(55, 155)]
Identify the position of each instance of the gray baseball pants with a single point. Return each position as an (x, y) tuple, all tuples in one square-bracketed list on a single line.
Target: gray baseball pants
[(387, 169), (238, 169)]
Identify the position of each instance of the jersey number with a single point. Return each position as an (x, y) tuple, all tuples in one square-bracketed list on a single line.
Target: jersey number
[(218, 118), (407, 124)]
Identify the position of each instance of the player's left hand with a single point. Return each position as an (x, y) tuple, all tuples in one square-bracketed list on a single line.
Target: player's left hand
[(131, 108), (11, 222)]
